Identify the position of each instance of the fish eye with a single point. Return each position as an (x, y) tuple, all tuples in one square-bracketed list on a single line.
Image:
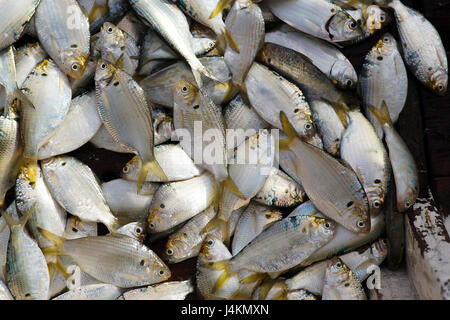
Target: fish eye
[(308, 126), (349, 204), (125, 169), (110, 30), (196, 106), (440, 87), (162, 206), (209, 243), (268, 216), (184, 89), (382, 18), (338, 264), (103, 66), (349, 83), (376, 204), (169, 252), (352, 25), (407, 204), (74, 229), (386, 40), (75, 67), (138, 230), (379, 58), (151, 225), (142, 263), (161, 271), (327, 225), (377, 181), (361, 224)]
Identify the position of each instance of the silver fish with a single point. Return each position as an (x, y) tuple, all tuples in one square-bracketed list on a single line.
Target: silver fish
[(384, 78), (79, 126), (75, 187), (14, 21), (27, 57), (63, 31), (77, 228), (101, 291), (325, 56), (4, 292), (135, 230), (423, 51), (8, 85), (174, 290)]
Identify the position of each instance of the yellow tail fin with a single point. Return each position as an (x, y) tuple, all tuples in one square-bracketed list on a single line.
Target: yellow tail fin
[(225, 276), (230, 185), (222, 5), (23, 220), (232, 89), (58, 266), (289, 130), (254, 277), (57, 241), (382, 115), (265, 288), (230, 40), (341, 110), (151, 166)]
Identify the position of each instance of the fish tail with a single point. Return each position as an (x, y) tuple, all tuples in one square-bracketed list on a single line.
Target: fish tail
[(254, 277), (239, 296), (341, 110), (57, 241), (231, 91), (230, 185), (217, 223), (289, 130), (58, 266), (382, 115), (225, 276), (222, 5), (97, 10), (230, 40), (243, 91), (265, 287), (198, 69), (151, 166), (23, 220)]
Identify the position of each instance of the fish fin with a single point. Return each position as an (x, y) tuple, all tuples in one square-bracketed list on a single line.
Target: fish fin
[(222, 5), (382, 115), (225, 276), (230, 40), (289, 130), (59, 266), (31, 167), (151, 166), (231, 92), (55, 239), (239, 296), (243, 91), (266, 286), (9, 220), (255, 277), (198, 69), (96, 10), (19, 95), (341, 110), (119, 62), (214, 224), (51, 269), (230, 185)]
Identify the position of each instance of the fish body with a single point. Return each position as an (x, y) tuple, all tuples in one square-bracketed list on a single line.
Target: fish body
[(63, 31), (101, 291), (174, 290)]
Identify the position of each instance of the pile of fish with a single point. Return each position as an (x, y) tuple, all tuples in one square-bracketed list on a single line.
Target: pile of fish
[(161, 80)]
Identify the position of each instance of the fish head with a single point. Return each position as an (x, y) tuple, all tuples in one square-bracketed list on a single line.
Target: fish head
[(131, 169), (104, 71), (111, 36), (357, 215), (272, 216), (386, 46), (213, 249), (74, 63), (407, 199), (379, 250), (337, 271), (135, 230), (438, 81), (343, 74), (158, 220), (342, 27), (376, 18), (77, 228), (177, 247), (375, 195), (185, 95), (51, 164), (323, 228), (153, 267)]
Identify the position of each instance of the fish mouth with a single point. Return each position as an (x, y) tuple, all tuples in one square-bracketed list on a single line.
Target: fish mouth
[(438, 82)]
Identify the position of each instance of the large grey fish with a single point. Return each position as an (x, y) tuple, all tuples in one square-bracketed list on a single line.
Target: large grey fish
[(298, 68), (48, 89), (403, 164), (177, 202), (63, 31), (131, 127), (170, 22), (364, 151), (340, 196), (246, 24), (26, 274), (269, 93), (325, 56), (423, 50), (341, 283), (11, 148), (76, 188), (16, 15), (322, 19), (158, 87), (46, 213), (383, 77), (27, 57), (197, 116), (79, 126), (115, 259), (172, 159)]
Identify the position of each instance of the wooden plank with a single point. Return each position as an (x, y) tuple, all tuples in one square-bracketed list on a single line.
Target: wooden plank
[(441, 191), (395, 285), (428, 250)]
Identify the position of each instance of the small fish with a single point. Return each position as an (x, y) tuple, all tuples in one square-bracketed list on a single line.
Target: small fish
[(79, 126), (26, 273), (254, 220), (325, 56), (423, 51), (131, 127), (341, 283), (125, 203), (135, 230), (403, 164), (191, 107), (170, 22), (177, 202), (172, 159), (280, 190), (48, 89), (322, 19), (63, 31), (16, 15), (173, 290), (158, 87), (115, 259), (76, 188), (26, 58), (383, 77), (340, 196), (364, 151), (100, 291)]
